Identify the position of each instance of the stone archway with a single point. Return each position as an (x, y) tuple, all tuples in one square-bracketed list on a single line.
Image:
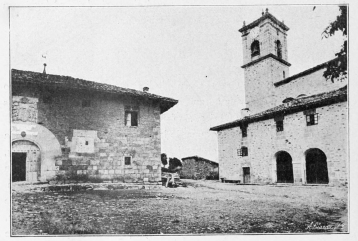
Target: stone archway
[(47, 143), (284, 168), (316, 167), (26, 161)]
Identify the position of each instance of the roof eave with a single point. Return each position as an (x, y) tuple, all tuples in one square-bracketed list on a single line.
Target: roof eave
[(80, 84), (258, 21), (265, 57), (289, 110)]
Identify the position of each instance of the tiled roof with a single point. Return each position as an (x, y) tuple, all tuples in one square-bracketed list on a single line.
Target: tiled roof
[(293, 106), (28, 77), (200, 158), (258, 21)]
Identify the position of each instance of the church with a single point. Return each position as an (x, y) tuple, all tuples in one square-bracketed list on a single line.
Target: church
[(294, 129)]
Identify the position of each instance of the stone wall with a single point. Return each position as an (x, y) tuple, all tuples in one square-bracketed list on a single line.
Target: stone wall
[(196, 168), (259, 84), (311, 84), (103, 124), (263, 142)]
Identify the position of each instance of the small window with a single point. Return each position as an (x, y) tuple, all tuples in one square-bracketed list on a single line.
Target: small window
[(127, 160), (131, 118), (279, 126), (284, 74), (255, 48), (312, 119), (86, 143), (243, 151), (86, 103)]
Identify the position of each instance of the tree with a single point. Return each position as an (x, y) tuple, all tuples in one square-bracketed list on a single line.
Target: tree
[(337, 68), (164, 159), (175, 164)]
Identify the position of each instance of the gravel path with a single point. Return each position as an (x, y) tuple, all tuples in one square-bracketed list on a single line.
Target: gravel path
[(202, 207)]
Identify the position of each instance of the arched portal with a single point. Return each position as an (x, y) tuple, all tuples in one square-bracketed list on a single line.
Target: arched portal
[(284, 167), (316, 167), (45, 141), (26, 161)]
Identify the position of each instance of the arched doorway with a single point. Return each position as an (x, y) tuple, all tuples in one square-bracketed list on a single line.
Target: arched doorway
[(316, 167), (284, 167), (26, 161)]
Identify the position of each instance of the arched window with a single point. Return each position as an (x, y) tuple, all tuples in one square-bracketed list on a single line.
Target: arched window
[(301, 96), (278, 49), (288, 99), (255, 48)]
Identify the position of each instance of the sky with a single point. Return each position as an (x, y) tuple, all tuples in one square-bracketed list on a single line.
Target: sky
[(189, 53)]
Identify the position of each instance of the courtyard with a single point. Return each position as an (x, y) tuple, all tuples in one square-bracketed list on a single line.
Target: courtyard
[(203, 207)]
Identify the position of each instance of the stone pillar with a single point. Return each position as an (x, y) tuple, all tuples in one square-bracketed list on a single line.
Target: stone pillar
[(297, 173)]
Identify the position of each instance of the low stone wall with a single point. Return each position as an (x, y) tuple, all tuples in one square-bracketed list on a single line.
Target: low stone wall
[(90, 187)]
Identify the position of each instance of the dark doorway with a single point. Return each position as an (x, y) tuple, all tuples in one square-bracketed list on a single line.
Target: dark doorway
[(246, 171), (284, 167), (316, 167), (18, 166)]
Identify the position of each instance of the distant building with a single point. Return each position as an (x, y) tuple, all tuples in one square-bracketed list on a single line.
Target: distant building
[(294, 128), (65, 125), (195, 167)]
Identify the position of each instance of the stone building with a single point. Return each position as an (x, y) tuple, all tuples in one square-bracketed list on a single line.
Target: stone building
[(294, 128), (196, 167), (65, 125)]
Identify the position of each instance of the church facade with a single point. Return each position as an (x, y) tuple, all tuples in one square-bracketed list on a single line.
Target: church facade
[(294, 129)]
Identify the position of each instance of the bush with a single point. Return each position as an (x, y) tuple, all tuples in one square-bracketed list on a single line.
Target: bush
[(71, 176), (213, 176), (94, 179)]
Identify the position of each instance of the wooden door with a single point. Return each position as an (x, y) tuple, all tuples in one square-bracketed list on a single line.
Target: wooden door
[(246, 171), (32, 161), (18, 166)]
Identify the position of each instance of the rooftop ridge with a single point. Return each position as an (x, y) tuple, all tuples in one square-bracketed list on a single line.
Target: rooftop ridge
[(198, 157), (22, 76), (262, 18)]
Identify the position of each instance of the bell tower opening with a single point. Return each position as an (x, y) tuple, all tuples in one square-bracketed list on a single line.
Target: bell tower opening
[(279, 49), (255, 48)]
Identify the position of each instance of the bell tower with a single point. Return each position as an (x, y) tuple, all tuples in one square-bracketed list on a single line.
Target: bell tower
[(265, 60)]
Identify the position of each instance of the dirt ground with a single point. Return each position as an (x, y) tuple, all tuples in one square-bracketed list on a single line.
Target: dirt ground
[(201, 207)]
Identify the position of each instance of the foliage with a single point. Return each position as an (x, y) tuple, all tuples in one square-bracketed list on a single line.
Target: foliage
[(164, 159), (213, 176), (72, 176), (337, 68), (174, 163)]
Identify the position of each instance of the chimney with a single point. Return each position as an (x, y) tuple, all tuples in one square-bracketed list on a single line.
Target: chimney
[(145, 89), (245, 112), (44, 72)]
